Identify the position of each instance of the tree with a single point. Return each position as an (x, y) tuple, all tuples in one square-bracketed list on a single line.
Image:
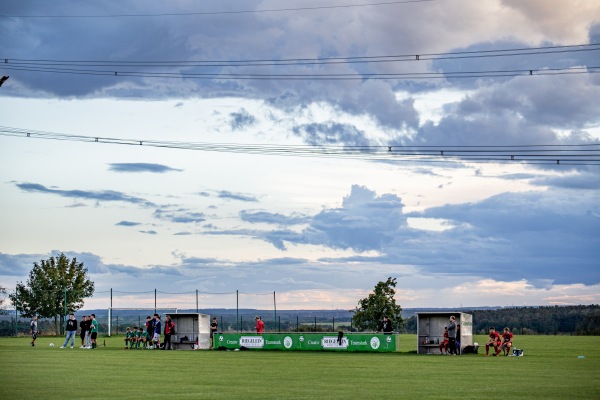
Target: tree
[(2, 298), (371, 310), (55, 288)]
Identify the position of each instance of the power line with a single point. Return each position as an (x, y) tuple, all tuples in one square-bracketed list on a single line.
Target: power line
[(522, 51), (188, 14), (574, 154), (319, 77)]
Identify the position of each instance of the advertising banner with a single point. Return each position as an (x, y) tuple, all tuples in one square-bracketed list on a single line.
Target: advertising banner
[(309, 341)]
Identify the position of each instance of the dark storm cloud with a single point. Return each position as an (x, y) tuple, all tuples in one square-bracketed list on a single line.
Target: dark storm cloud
[(18, 264), (101, 195), (141, 167), (552, 235), (241, 119)]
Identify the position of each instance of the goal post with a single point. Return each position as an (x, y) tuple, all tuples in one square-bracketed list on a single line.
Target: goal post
[(150, 311)]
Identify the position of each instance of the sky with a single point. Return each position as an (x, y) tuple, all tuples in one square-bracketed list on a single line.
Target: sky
[(210, 211)]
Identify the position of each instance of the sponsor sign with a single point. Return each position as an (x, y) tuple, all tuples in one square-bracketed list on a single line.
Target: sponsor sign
[(311, 341)]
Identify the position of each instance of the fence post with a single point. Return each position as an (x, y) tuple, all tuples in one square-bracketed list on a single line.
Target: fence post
[(315, 324), (333, 326), (117, 324), (16, 311), (65, 311), (297, 324)]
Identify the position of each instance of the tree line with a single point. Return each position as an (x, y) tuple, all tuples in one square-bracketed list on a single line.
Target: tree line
[(545, 320)]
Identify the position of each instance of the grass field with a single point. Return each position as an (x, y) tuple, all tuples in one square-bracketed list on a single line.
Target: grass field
[(550, 369)]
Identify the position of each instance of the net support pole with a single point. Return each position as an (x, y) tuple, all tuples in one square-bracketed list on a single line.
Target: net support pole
[(275, 310), (16, 311), (110, 313), (154, 301), (197, 302), (237, 310)]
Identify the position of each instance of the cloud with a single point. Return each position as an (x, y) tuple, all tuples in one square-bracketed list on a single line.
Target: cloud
[(330, 133), (241, 119), (127, 223), (272, 218), (101, 195), (180, 215), (224, 194), (149, 232), (141, 167)]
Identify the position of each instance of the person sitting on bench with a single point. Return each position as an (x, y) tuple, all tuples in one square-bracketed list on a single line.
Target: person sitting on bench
[(506, 342), (444, 343), (493, 340)]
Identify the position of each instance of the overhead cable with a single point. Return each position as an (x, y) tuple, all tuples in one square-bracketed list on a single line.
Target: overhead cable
[(200, 13), (567, 154)]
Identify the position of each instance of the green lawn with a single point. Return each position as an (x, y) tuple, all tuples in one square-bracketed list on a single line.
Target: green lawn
[(550, 369)]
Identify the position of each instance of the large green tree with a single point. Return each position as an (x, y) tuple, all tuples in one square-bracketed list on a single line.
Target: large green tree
[(56, 287), (371, 310)]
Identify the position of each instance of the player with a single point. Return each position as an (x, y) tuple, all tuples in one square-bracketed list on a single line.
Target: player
[(145, 339), (137, 334), (156, 335), (214, 327), (507, 337), (493, 340), (128, 338), (444, 344), (93, 331), (260, 326), (34, 330)]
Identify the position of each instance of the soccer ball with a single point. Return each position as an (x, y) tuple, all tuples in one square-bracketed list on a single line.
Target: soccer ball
[(51, 344)]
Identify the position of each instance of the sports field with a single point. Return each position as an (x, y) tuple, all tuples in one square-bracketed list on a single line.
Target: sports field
[(550, 369)]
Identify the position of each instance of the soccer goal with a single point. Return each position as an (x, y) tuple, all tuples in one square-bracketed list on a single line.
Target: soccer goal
[(134, 316)]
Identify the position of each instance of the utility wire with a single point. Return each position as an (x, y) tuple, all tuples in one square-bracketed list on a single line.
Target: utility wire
[(188, 14), (317, 77), (575, 154), (522, 51)]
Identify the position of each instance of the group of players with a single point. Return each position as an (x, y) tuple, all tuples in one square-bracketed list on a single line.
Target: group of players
[(150, 337), (499, 342)]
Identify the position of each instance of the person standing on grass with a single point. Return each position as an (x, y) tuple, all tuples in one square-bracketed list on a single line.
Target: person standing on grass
[(94, 331), (156, 335), (452, 335), (83, 328), (71, 331), (260, 325), (34, 330), (169, 330), (88, 333), (457, 350), (214, 327), (386, 326)]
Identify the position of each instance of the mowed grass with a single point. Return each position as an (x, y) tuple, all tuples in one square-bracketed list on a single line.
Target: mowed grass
[(550, 369)]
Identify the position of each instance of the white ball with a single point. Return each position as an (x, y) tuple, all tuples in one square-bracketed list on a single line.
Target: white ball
[(51, 344)]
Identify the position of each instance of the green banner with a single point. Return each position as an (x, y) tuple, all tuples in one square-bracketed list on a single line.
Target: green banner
[(309, 341)]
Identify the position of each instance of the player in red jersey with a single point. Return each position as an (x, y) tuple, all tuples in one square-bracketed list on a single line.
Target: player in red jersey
[(506, 342), (444, 343), (493, 340)]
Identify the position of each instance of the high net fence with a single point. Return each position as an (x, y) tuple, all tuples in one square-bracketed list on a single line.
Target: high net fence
[(236, 311)]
